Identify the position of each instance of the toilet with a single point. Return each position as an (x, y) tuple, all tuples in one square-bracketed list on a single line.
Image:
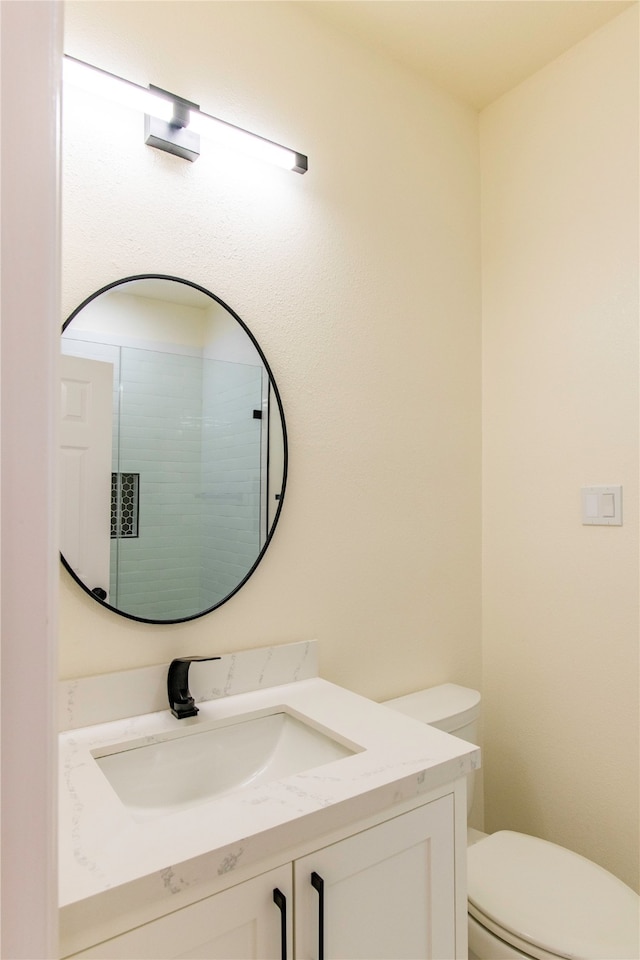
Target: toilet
[(529, 899)]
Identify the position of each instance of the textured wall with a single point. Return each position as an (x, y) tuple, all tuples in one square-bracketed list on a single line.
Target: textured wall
[(360, 280), (560, 397)]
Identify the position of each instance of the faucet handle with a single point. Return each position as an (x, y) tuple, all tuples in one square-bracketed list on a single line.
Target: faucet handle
[(181, 702)]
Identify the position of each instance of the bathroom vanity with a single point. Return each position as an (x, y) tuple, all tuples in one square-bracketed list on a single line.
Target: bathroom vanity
[(346, 838)]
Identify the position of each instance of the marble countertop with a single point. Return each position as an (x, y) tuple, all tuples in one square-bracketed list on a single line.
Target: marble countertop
[(102, 846), (112, 865)]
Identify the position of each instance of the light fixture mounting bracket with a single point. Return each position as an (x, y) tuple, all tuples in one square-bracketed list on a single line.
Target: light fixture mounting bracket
[(173, 137)]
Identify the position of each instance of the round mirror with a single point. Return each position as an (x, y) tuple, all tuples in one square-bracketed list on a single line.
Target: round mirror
[(173, 449)]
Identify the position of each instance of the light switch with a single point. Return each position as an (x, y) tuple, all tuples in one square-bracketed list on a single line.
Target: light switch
[(591, 505), (608, 505), (602, 506)]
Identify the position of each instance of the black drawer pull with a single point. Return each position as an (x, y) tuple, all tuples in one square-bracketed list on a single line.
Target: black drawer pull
[(281, 903), (318, 884)]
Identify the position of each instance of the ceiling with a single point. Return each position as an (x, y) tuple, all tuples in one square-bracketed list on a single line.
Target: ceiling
[(475, 49)]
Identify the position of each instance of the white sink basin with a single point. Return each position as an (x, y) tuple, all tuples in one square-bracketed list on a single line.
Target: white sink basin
[(171, 772)]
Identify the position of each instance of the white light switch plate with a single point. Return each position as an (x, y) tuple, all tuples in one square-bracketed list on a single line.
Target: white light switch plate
[(602, 506)]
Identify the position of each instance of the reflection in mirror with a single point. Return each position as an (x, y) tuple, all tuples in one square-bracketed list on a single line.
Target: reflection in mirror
[(173, 449)]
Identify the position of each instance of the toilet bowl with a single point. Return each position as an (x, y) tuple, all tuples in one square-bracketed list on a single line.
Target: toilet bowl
[(529, 899), (541, 900)]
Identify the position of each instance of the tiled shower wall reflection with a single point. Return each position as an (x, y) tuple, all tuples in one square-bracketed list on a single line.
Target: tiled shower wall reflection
[(231, 475), (157, 574), (186, 426)]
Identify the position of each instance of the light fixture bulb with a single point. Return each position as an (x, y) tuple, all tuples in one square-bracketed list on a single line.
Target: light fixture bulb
[(102, 84), (235, 138)]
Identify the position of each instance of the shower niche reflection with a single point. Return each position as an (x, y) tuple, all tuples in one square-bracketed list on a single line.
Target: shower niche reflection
[(173, 452)]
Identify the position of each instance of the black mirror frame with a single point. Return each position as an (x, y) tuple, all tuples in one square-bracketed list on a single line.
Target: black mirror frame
[(276, 392)]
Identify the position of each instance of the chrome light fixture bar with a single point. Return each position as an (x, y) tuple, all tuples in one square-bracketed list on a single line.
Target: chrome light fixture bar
[(174, 124)]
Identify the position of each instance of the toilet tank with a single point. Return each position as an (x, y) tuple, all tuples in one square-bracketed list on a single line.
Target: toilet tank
[(448, 707)]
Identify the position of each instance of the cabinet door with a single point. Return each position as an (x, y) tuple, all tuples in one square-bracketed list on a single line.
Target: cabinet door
[(387, 893), (241, 923)]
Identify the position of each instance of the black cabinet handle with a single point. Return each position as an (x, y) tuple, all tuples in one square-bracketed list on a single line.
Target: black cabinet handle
[(281, 903), (318, 884)]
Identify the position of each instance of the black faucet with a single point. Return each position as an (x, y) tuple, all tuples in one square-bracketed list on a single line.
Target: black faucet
[(181, 702)]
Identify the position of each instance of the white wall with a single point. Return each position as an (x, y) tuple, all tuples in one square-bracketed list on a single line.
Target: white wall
[(359, 279), (560, 395)]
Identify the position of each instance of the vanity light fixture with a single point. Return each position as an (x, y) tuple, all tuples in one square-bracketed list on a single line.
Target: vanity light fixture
[(174, 124)]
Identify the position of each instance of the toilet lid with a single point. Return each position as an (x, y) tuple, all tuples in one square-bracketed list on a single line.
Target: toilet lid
[(552, 898)]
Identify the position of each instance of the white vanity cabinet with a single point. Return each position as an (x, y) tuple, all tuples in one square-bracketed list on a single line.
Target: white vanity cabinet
[(372, 843), (385, 892)]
